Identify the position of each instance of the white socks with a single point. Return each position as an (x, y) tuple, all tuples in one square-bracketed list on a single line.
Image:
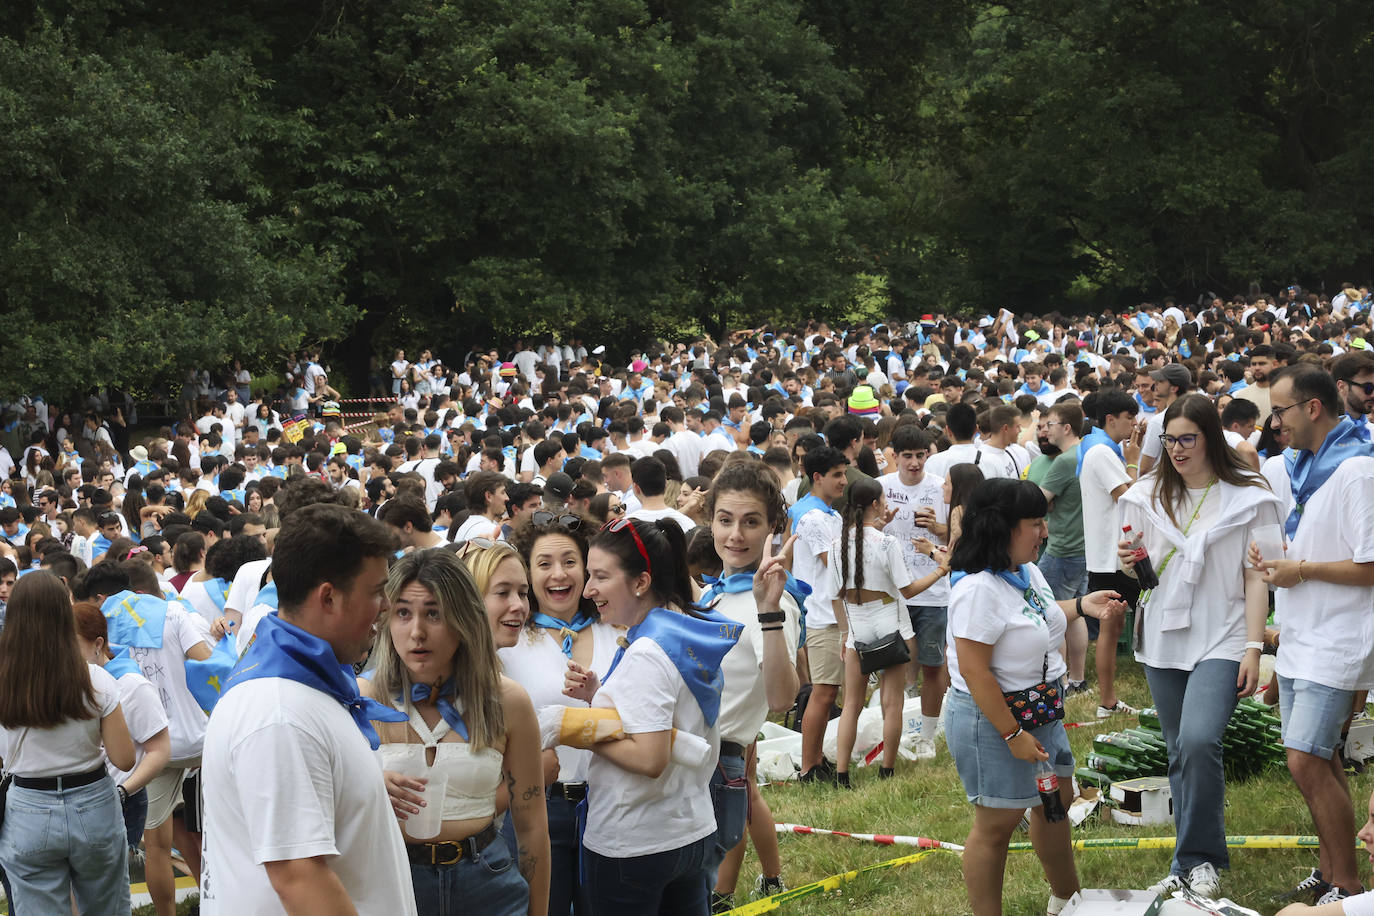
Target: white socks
[(929, 725)]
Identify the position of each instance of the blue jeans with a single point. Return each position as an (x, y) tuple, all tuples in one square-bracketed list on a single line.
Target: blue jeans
[(1067, 576), (136, 816), (671, 883), (730, 798), (487, 884), (1196, 776), (566, 892), (63, 843)]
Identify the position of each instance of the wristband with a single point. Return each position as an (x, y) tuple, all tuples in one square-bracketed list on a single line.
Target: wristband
[(1300, 575), (1010, 735), (776, 626), (1255, 644), (1132, 467), (123, 795), (1078, 605), (773, 617)]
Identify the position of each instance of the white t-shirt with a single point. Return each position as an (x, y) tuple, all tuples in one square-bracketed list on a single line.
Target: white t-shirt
[(962, 453), (986, 609), (1328, 630), (67, 749), (1359, 905), (906, 500), (815, 530), (478, 526), (1154, 428), (197, 594), (243, 593), (744, 703), (653, 515), (165, 668), (144, 715), (630, 815), (288, 775), (536, 662), (885, 568), (686, 446), (998, 462), (1102, 473)]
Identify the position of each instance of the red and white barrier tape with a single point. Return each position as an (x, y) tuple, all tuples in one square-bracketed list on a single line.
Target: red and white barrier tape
[(880, 839)]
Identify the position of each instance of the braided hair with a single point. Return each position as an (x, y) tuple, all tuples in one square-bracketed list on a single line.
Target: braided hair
[(859, 495)]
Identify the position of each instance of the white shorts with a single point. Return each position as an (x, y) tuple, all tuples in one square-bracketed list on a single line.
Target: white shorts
[(876, 619)]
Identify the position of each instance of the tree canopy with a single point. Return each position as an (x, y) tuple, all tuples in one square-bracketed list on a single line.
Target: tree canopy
[(188, 184)]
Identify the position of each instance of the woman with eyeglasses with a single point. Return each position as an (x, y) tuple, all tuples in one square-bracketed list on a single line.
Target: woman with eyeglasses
[(437, 663), (650, 825), (1200, 633), (604, 507), (745, 509), (562, 626)]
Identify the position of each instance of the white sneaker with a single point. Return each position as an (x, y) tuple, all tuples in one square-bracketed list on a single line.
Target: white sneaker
[(1334, 894), (1167, 887), (923, 748), (1204, 880), (1120, 709), (1056, 905)]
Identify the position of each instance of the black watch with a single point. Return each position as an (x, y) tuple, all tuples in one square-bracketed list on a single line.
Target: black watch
[(773, 617)]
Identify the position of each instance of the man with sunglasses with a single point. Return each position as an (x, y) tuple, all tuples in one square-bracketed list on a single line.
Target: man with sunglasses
[(1321, 597), (1354, 373)]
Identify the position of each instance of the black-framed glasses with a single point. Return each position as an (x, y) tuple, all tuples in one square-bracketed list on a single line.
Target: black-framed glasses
[(1276, 413), (618, 509), (1366, 387), (567, 520), (1187, 440), (615, 526)]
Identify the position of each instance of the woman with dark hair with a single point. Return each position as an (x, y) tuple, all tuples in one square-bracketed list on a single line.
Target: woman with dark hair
[(131, 507), (466, 724), (649, 813), (1006, 630), (63, 836), (562, 626), (959, 485), (605, 506), (868, 573), (1201, 632)]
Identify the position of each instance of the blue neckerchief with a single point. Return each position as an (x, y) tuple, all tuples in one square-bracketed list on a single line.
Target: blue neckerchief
[(120, 663), (804, 505), (1308, 472), (218, 590), (144, 468), (99, 544), (1019, 580), (205, 678), (1144, 408), (238, 495), (135, 620), (581, 620), (1361, 427), (421, 692), (1096, 437), (1026, 389), (744, 581), (1236, 386), (695, 645), (284, 650)]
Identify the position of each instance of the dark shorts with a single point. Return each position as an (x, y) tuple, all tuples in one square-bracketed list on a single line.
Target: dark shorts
[(1118, 582)]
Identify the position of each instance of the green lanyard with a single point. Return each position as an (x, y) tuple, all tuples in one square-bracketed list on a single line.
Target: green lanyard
[(1163, 566)]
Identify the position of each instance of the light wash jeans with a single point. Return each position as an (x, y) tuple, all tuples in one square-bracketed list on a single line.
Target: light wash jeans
[(1196, 776), (56, 844)]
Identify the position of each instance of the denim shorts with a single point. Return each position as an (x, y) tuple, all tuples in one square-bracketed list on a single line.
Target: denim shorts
[(929, 622), (1313, 715), (1067, 576), (489, 883), (992, 777)]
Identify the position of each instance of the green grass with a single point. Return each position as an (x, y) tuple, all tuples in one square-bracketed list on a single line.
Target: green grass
[(926, 799)]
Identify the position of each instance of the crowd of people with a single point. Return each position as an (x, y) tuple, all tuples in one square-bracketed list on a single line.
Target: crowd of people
[(506, 643)]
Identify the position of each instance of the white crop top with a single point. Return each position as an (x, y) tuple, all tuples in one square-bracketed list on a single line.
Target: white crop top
[(885, 568), (473, 776)]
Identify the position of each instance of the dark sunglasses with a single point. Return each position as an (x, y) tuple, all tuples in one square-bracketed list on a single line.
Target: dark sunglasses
[(542, 517), (1366, 387)]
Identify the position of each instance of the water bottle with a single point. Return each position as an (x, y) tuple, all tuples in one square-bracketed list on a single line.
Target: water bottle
[(1047, 784), (1144, 569)]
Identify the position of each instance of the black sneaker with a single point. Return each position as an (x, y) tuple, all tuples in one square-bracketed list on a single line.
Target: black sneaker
[(1307, 890), (823, 772), (842, 780), (886, 772), (722, 903)]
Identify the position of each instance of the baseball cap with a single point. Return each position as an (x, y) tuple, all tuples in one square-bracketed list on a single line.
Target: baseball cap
[(1175, 374)]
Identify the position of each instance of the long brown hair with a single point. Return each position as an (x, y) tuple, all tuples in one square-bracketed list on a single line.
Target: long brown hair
[(1225, 461), (43, 679)]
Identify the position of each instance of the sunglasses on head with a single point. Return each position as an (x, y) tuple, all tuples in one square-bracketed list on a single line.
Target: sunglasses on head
[(542, 517), (615, 526), (474, 544)]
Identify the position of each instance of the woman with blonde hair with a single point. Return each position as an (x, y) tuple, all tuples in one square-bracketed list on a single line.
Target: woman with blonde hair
[(468, 725), (195, 503)]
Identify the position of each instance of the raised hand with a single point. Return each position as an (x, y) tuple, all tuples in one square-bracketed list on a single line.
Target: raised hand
[(771, 576)]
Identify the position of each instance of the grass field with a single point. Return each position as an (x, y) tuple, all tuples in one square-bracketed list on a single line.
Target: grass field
[(926, 799)]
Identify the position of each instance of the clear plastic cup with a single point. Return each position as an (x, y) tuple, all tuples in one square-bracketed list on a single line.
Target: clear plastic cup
[(1269, 540), (430, 819)]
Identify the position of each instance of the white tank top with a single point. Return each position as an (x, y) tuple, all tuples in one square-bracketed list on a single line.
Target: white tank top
[(473, 776)]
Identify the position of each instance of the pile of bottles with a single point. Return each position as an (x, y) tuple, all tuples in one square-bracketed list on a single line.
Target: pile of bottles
[(1250, 745)]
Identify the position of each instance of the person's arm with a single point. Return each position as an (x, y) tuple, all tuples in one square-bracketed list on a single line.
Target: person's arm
[(157, 752), (1256, 614), (114, 735), (644, 753), (1288, 573), (307, 887), (975, 665), (780, 680), (523, 775)]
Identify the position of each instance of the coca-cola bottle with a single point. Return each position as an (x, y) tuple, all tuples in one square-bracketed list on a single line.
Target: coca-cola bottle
[(1047, 784), (1144, 569)]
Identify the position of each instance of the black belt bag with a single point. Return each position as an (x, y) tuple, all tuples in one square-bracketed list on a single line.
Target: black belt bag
[(1037, 705)]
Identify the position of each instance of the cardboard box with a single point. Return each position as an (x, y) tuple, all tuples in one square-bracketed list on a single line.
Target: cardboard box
[(1143, 801), (1113, 903), (1359, 743)]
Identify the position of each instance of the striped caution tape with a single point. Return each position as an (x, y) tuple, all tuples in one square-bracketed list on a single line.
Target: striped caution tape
[(1168, 842), (769, 904), (878, 838)]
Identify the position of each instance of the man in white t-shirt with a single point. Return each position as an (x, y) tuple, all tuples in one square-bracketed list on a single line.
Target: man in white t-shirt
[(1109, 459), (918, 498), (996, 458), (1322, 600), (686, 446), (296, 810), (961, 423), (650, 481), (486, 493)]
